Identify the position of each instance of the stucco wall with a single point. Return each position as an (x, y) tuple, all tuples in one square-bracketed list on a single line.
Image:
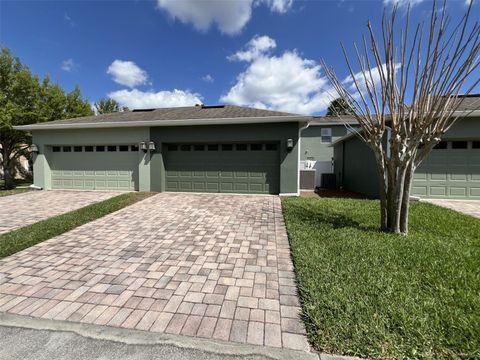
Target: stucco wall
[(311, 146)]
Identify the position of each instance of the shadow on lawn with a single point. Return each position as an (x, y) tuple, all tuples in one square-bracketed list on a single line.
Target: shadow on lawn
[(309, 217)]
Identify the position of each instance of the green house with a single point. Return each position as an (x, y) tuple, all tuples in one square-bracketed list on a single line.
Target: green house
[(452, 169), (201, 148)]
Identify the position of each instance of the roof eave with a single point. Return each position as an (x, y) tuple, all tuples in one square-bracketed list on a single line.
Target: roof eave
[(182, 122)]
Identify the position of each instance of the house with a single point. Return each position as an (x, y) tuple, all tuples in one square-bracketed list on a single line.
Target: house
[(452, 169), (201, 148), (316, 152)]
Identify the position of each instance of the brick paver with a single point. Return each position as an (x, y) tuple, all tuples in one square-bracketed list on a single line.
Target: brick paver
[(469, 207), (205, 265), (24, 209)]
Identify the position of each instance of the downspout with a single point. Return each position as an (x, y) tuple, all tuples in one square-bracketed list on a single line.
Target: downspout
[(298, 153)]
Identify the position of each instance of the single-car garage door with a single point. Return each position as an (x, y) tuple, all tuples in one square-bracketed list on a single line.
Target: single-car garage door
[(226, 168), (452, 170), (99, 167)]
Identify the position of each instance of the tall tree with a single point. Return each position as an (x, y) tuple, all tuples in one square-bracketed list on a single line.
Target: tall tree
[(340, 106), (24, 100), (106, 106), (406, 96)]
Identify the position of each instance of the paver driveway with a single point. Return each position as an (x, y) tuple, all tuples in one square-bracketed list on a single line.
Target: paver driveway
[(213, 266), (24, 209), (469, 207)]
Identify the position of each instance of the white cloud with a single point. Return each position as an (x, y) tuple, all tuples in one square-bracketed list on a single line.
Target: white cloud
[(137, 99), (208, 78), (127, 73), (69, 20), (285, 83), (229, 16), (69, 65), (402, 3), (256, 47)]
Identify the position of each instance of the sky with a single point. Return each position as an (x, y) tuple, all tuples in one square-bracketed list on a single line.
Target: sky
[(160, 53)]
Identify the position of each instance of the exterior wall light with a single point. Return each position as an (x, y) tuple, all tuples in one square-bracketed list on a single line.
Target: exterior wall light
[(289, 145), (143, 146), (151, 146), (34, 149)]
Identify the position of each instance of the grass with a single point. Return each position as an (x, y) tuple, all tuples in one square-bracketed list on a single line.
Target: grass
[(20, 239), (383, 296), (22, 186)]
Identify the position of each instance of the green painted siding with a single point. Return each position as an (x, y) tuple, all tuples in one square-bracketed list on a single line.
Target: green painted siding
[(280, 132), (312, 147)]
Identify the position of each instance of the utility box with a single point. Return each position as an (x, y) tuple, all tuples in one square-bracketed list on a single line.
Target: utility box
[(329, 181), (307, 179)]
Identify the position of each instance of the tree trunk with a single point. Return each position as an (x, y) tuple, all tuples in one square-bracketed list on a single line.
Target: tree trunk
[(8, 176), (406, 198)]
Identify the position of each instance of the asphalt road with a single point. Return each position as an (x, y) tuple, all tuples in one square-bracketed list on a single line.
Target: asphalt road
[(28, 344)]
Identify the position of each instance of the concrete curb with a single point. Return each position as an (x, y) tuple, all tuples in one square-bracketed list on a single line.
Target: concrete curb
[(139, 337)]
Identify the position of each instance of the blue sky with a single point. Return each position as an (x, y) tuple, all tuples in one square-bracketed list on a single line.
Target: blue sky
[(260, 53)]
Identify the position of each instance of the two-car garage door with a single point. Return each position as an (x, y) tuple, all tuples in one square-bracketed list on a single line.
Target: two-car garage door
[(99, 167), (452, 170), (226, 168)]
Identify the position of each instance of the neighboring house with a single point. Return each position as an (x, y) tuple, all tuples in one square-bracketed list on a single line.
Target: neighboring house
[(22, 168), (201, 148), (316, 152), (452, 169)]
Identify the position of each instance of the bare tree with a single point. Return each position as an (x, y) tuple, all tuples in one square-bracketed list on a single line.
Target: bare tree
[(405, 96)]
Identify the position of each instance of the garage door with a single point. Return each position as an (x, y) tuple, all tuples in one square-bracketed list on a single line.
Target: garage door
[(452, 170), (100, 167), (227, 168)]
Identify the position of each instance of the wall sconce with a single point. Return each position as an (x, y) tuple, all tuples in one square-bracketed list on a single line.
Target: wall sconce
[(289, 145), (144, 146), (151, 146), (34, 149)]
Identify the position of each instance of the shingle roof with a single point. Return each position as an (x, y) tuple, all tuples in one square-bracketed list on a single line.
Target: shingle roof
[(469, 102), (173, 113)]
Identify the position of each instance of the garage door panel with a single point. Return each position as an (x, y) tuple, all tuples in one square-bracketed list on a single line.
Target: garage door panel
[(94, 170), (223, 171), (449, 173)]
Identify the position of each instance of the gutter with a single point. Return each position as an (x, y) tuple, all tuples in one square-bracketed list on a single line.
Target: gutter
[(154, 123)]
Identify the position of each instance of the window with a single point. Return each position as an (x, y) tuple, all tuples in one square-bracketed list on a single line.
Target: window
[(172, 147), (326, 135), (111, 148), (67, 149), (241, 147), (77, 149), (441, 145), (255, 147), (100, 148), (56, 148), (184, 147), (227, 147), (198, 147), (212, 147), (88, 148), (271, 147), (134, 147), (459, 144), (123, 148), (475, 144)]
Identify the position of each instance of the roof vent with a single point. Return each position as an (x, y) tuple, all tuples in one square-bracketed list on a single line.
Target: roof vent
[(213, 106), (142, 110)]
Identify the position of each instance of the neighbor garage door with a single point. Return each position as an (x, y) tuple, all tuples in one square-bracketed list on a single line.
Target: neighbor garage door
[(452, 170), (101, 167), (227, 168)]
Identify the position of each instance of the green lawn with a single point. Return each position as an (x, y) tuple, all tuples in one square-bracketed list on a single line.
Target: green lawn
[(20, 239), (22, 186), (378, 295)]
